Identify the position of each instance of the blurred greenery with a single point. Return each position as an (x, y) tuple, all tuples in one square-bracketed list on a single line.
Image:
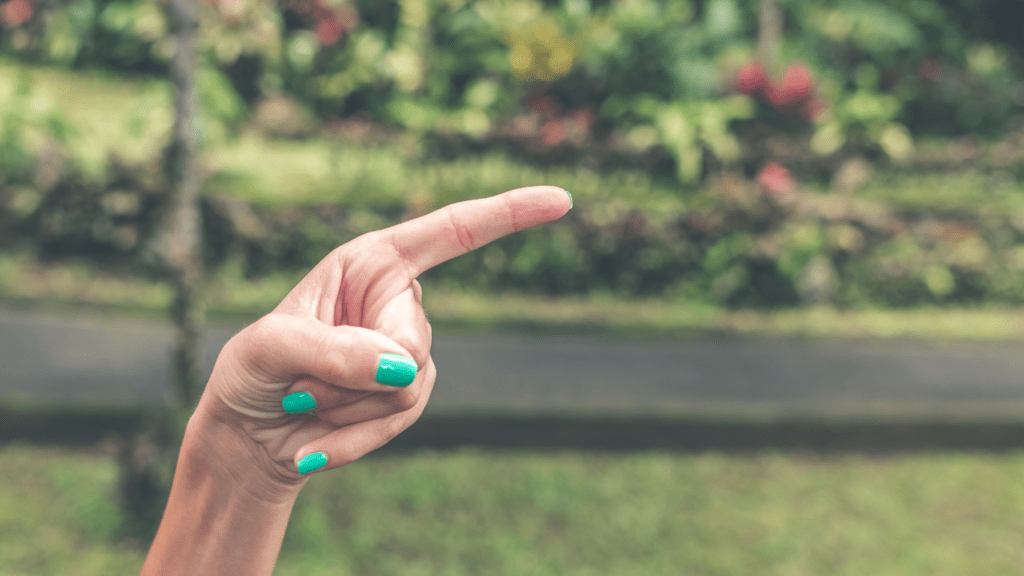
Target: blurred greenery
[(876, 164), (570, 513), (867, 182), (231, 296)]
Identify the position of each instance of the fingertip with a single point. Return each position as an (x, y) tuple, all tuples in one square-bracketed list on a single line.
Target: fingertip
[(560, 196), (539, 204), (368, 360), (299, 402), (311, 462), (396, 370), (547, 192), (458, 228)]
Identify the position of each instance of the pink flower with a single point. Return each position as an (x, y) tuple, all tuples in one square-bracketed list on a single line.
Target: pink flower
[(17, 12), (751, 79), (329, 30), (796, 88), (775, 180), (552, 132)]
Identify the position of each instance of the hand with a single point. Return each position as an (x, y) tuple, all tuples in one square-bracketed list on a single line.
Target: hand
[(327, 338)]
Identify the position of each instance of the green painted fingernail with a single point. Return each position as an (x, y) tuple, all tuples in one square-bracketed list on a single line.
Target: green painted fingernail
[(396, 370), (570, 199), (298, 402), (314, 461)]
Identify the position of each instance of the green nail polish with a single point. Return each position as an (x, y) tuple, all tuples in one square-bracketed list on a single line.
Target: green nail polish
[(311, 462), (298, 402), (570, 199), (396, 370)]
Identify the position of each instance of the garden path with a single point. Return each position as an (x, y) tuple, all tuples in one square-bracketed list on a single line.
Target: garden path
[(88, 359)]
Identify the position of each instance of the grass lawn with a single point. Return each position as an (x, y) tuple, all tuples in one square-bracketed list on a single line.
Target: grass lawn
[(509, 513)]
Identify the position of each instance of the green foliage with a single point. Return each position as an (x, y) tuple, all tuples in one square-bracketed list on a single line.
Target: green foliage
[(938, 240), (654, 73), (442, 101), (28, 124)]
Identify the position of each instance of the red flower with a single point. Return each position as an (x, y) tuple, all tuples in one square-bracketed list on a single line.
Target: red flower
[(751, 79), (329, 30), (17, 12), (552, 132), (775, 180), (796, 88)]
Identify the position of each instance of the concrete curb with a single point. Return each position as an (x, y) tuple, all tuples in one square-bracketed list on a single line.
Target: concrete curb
[(79, 428)]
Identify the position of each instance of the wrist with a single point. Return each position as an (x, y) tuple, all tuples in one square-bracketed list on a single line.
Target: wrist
[(224, 516), (221, 451)]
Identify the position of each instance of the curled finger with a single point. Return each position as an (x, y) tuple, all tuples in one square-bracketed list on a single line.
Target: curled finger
[(351, 442), (285, 347)]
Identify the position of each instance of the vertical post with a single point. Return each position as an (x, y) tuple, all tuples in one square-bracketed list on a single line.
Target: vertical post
[(179, 243), (769, 34), (147, 459)]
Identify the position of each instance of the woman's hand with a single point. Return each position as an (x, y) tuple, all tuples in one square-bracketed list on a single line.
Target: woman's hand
[(351, 336)]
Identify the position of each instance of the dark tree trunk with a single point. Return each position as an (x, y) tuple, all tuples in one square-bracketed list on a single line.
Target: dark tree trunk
[(147, 459), (769, 34), (179, 241)]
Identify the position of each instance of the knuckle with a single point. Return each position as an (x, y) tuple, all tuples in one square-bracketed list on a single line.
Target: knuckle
[(269, 328), (418, 345), (330, 354), (263, 326), (405, 399), (257, 340)]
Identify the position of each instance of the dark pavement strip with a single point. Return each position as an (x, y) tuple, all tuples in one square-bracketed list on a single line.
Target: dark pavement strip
[(83, 359)]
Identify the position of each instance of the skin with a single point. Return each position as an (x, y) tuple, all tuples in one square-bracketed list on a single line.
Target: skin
[(237, 476)]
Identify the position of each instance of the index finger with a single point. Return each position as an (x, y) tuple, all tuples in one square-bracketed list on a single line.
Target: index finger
[(460, 228)]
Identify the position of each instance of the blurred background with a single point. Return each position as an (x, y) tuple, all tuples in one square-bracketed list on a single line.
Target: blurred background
[(800, 192)]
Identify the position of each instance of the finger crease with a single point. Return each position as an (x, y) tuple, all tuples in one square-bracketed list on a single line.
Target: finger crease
[(511, 214), (404, 258), (462, 232)]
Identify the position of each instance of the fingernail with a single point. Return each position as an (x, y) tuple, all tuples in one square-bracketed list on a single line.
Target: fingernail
[(298, 402), (396, 370), (311, 462), (570, 199)]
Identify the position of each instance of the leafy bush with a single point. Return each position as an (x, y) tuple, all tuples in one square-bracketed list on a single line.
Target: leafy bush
[(651, 76), (737, 243), (726, 156)]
